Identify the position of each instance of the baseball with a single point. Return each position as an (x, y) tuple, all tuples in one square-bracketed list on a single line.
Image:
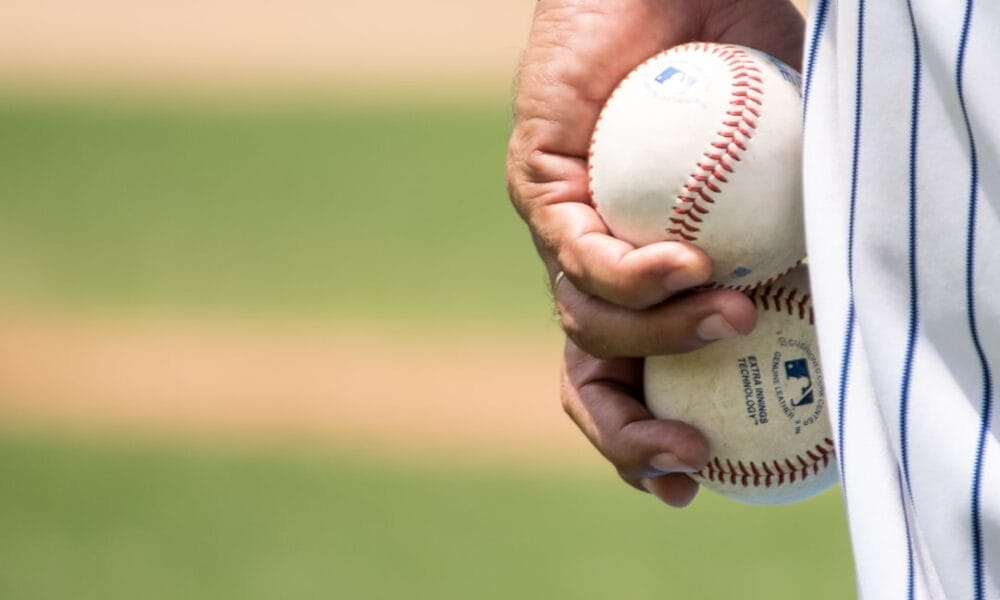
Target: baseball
[(702, 143), (758, 400)]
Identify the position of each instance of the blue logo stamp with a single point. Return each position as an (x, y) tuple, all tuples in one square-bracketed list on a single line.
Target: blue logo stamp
[(799, 369), (797, 381), (671, 72), (740, 272), (677, 81)]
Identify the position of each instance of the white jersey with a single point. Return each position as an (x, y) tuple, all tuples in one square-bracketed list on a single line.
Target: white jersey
[(902, 175)]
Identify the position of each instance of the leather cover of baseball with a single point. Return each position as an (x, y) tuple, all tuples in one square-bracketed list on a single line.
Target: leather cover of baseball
[(758, 399), (702, 143)]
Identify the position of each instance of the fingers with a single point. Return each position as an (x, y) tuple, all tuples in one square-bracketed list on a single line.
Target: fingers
[(685, 323), (676, 490), (603, 398), (574, 59), (572, 237), (773, 27), (614, 270)]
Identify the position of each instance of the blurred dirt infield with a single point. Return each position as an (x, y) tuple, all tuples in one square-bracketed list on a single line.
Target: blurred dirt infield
[(297, 45), (469, 393), (397, 391)]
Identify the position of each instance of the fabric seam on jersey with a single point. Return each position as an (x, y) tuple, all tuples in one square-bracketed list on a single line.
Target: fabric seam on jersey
[(986, 405)]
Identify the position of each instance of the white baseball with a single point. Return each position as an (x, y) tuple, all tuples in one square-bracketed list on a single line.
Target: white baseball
[(702, 143), (758, 400)]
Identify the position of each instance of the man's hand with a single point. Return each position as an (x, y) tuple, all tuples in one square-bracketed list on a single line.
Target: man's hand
[(649, 454), (617, 300)]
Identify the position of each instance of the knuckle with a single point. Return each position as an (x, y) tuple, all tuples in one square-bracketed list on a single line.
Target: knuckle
[(566, 254), (633, 300), (599, 348), (625, 293), (588, 340), (612, 282), (511, 179), (515, 191), (574, 330), (566, 401)]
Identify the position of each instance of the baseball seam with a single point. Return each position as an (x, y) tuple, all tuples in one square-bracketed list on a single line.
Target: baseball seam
[(693, 204), (790, 300), (791, 468), (747, 289), (738, 109), (746, 99), (771, 473)]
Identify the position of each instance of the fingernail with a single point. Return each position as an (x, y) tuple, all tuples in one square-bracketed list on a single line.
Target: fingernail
[(669, 463), (682, 279), (647, 484), (715, 327)]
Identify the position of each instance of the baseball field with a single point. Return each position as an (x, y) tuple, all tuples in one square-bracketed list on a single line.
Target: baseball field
[(300, 348)]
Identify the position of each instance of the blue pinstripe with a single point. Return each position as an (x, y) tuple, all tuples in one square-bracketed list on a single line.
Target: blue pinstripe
[(851, 324), (986, 405), (823, 28), (914, 317), (819, 26), (910, 574), (817, 33)]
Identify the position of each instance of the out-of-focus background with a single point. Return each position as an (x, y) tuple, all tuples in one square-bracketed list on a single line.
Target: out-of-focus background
[(270, 329)]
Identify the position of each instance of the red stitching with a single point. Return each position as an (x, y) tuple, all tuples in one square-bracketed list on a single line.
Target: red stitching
[(753, 289), (681, 234), (744, 108), (767, 475), (766, 295)]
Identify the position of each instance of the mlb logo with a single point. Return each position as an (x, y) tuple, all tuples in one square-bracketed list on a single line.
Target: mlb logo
[(676, 80), (798, 369)]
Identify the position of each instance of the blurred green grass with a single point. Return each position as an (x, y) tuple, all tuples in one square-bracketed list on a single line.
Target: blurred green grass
[(394, 209), (84, 520)]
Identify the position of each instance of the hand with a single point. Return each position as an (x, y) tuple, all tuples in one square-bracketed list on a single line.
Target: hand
[(577, 53), (651, 455), (617, 300)]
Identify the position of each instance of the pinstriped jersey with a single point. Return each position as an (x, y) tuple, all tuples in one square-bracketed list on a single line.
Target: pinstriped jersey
[(902, 189)]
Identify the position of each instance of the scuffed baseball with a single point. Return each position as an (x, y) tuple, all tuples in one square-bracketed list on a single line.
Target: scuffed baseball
[(758, 400), (702, 143)]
